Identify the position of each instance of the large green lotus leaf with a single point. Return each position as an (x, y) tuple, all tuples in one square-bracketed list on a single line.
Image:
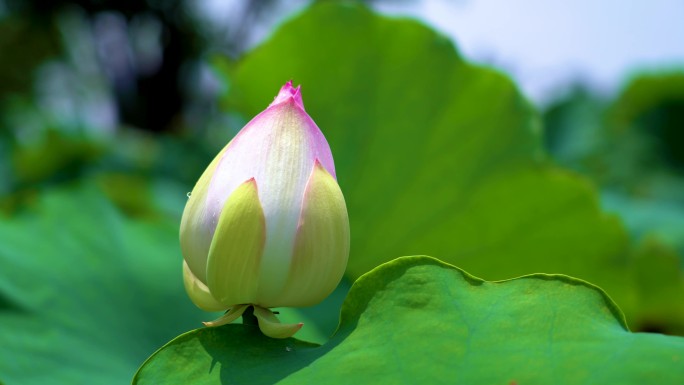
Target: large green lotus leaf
[(419, 320), (86, 294), (434, 155)]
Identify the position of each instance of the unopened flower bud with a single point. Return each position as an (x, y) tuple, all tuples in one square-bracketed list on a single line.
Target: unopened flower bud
[(266, 224)]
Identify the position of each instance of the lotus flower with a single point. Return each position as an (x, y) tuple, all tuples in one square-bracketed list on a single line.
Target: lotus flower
[(266, 224)]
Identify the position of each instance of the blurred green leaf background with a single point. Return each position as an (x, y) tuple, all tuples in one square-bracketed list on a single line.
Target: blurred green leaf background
[(110, 111)]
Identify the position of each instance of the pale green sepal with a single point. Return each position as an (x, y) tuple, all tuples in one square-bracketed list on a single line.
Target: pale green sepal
[(270, 325), (321, 246), (232, 315), (199, 292), (235, 252)]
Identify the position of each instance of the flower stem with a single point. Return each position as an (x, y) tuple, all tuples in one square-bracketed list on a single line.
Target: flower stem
[(248, 317)]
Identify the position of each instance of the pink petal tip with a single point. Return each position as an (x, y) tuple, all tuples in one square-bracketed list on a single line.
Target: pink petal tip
[(289, 93)]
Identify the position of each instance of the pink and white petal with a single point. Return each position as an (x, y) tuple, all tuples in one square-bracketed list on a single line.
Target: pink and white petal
[(288, 92), (278, 149), (274, 151)]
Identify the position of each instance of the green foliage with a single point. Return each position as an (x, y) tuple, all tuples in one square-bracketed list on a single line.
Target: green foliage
[(652, 106), (435, 155), (144, 175), (632, 144), (28, 44), (418, 320), (571, 126), (650, 217), (648, 117), (86, 295), (630, 147), (53, 157), (658, 272)]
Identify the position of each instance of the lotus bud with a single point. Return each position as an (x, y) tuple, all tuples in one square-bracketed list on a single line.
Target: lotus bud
[(266, 224)]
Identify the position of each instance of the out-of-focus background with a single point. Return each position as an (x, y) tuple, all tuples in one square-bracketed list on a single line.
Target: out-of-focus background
[(78, 74), (110, 111)]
